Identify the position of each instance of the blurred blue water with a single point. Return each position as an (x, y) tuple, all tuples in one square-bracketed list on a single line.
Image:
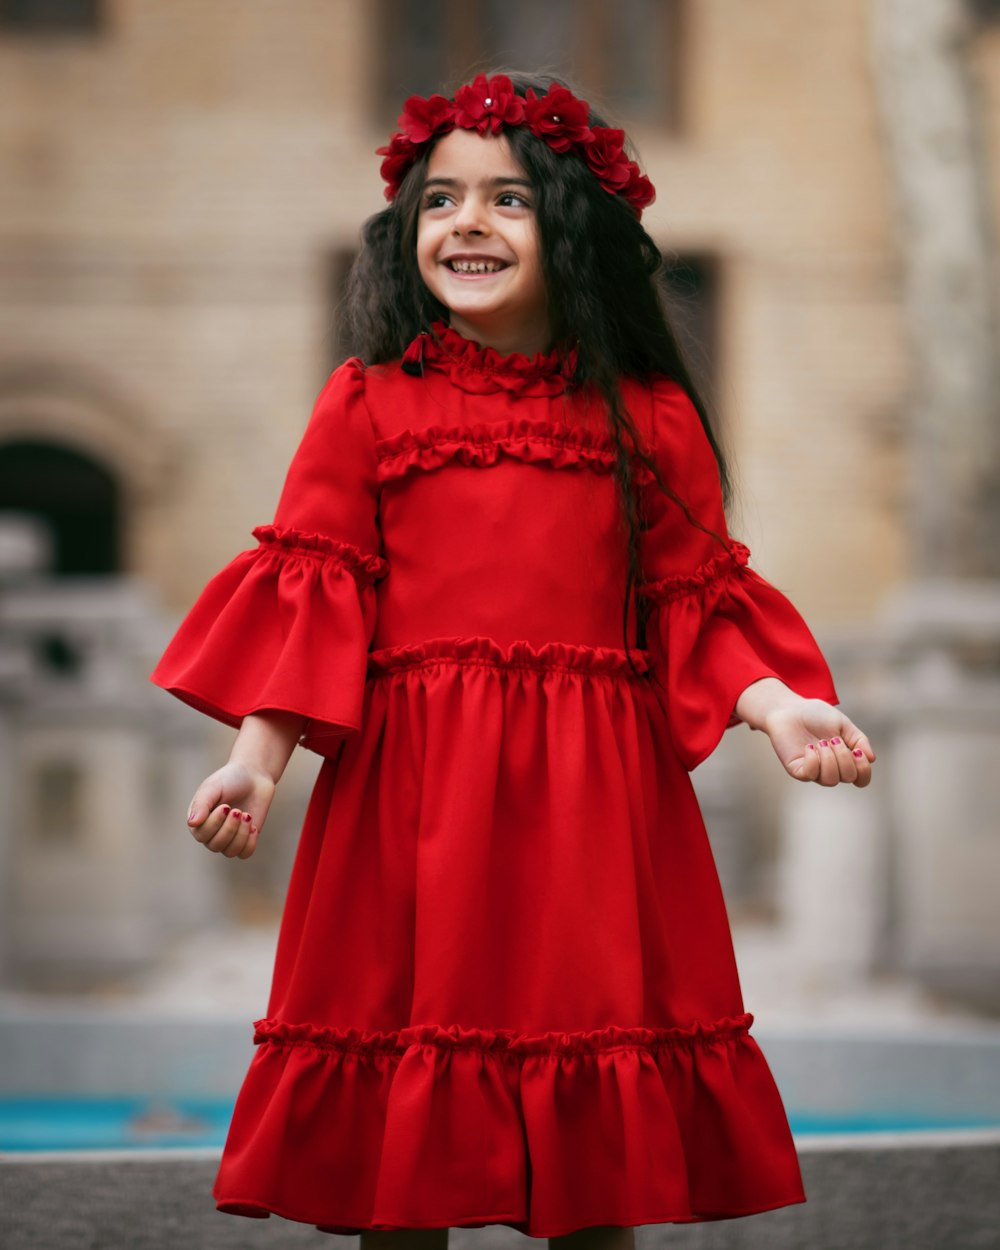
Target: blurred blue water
[(94, 1123), (30, 1123)]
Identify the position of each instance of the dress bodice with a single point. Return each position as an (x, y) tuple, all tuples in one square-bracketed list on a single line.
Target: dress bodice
[(497, 499)]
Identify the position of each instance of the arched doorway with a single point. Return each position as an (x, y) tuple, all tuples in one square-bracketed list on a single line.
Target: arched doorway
[(76, 496)]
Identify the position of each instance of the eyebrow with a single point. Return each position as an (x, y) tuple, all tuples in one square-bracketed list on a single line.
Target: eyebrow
[(490, 182)]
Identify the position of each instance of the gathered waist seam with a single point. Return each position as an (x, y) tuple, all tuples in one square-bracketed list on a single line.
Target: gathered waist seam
[(483, 652), (378, 671)]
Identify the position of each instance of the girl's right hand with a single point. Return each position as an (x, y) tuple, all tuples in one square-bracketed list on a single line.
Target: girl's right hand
[(229, 808)]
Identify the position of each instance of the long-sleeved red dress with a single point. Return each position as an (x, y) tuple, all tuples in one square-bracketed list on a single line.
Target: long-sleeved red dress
[(504, 988)]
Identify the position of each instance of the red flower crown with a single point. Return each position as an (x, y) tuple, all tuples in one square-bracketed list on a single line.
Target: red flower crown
[(488, 105)]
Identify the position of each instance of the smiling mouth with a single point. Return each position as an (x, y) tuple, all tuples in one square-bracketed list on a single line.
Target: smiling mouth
[(475, 266)]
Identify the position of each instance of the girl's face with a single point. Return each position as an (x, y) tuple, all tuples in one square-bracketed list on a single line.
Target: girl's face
[(477, 243)]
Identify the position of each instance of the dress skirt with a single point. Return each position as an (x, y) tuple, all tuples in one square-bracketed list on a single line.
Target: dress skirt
[(504, 989)]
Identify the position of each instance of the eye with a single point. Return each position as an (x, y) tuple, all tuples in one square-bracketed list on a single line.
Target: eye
[(435, 199), (512, 199)]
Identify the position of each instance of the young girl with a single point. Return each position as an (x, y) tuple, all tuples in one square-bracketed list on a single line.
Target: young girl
[(499, 597)]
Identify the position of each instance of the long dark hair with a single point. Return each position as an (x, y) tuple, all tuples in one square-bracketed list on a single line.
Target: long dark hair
[(605, 298)]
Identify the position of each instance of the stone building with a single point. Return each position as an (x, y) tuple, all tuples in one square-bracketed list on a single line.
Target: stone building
[(183, 183), (181, 192)]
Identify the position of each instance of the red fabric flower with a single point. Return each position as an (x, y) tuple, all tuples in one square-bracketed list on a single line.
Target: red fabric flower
[(399, 155), (558, 117), (639, 192), (605, 155), (422, 119), (488, 104)]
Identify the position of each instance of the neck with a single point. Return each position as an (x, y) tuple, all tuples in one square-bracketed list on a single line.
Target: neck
[(524, 337)]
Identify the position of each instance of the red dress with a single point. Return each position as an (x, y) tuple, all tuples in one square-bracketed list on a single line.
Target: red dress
[(504, 989)]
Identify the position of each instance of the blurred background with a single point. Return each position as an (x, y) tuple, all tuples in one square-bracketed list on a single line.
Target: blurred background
[(181, 190)]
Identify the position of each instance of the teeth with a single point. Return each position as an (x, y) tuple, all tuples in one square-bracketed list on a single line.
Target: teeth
[(475, 266)]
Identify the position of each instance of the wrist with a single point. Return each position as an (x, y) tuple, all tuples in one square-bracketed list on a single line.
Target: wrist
[(257, 770), (761, 699), (266, 741)]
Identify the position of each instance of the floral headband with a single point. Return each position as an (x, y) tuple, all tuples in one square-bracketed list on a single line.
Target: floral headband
[(557, 117)]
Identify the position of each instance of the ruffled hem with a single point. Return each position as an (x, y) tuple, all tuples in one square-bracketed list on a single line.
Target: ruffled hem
[(635, 1219), (364, 568), (555, 443), (433, 1126), (483, 370), (483, 651)]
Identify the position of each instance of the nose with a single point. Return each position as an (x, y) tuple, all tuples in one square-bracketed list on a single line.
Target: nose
[(470, 218)]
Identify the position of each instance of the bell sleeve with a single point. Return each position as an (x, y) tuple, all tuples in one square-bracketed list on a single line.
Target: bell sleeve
[(715, 626), (287, 625)]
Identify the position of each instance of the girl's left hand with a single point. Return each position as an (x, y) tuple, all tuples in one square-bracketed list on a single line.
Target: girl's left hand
[(815, 741)]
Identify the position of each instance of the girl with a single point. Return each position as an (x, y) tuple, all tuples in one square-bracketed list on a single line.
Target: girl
[(500, 599)]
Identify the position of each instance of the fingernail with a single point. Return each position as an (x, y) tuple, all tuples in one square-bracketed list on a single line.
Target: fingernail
[(253, 829), (246, 817), (858, 752), (810, 747), (190, 813), (835, 742), (824, 742)]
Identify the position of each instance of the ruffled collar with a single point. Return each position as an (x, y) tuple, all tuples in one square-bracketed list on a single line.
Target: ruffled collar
[(482, 370)]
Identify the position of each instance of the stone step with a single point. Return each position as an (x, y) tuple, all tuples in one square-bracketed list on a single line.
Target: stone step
[(877, 1192)]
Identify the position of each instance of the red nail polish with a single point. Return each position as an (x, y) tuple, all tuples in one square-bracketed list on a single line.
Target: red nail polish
[(824, 742), (810, 747), (858, 752), (225, 809), (835, 742), (246, 817)]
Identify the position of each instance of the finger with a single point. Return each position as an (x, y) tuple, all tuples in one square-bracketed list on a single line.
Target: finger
[(206, 798), (863, 766), (238, 842), (855, 738), (232, 836), (230, 828), (211, 825), (251, 844), (805, 767), (865, 746), (847, 769), (215, 825), (829, 773)]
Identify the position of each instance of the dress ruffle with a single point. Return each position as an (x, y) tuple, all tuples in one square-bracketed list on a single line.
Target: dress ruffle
[(483, 370), (714, 632), (554, 443), (588, 1042), (364, 568), (482, 651), (463, 1127), (666, 589), (308, 603)]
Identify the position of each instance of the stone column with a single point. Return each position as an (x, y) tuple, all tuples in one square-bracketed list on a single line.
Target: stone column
[(935, 151), (904, 880), (942, 630)]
